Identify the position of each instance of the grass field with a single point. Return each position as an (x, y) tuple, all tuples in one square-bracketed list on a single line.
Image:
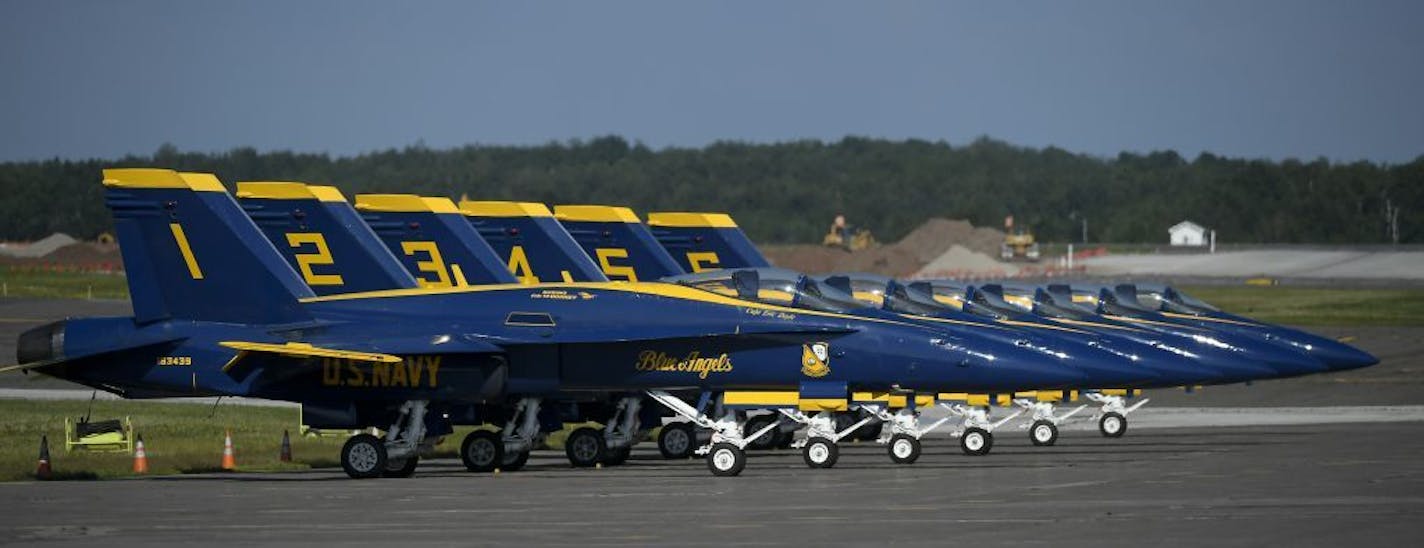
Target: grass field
[(1315, 306), (26, 282), (179, 438)]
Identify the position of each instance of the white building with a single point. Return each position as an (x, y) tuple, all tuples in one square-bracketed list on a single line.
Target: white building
[(1187, 233)]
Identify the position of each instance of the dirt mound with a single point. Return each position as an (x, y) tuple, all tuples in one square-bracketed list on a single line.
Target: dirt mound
[(922, 246), (78, 256)]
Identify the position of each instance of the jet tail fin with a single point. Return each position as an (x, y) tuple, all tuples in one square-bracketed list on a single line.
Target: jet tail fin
[(323, 237), (536, 248), (618, 241), (705, 241), (433, 240), (191, 253)]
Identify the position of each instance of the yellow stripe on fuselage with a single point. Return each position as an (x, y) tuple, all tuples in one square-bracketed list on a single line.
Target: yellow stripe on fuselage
[(1095, 324), (673, 291), (1207, 319)]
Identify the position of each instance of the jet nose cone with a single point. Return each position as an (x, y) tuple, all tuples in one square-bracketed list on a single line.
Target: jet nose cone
[(1342, 357), (1290, 363)]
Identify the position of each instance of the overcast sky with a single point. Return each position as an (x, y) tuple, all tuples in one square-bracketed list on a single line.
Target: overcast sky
[(1299, 78)]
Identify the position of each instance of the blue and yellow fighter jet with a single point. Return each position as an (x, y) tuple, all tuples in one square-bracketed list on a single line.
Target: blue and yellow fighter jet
[(443, 243), (417, 211), (1184, 326), (617, 232), (217, 311)]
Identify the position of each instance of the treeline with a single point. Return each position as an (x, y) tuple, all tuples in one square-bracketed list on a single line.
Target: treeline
[(789, 192)]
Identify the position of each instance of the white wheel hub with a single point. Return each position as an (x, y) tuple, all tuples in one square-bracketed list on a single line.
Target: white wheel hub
[(903, 448), (1043, 433), (819, 453), (724, 459), (974, 441), (1112, 425)]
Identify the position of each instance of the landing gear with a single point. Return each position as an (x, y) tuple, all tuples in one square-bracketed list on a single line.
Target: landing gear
[(585, 447), (976, 441), (402, 468), (905, 432), (904, 449), (520, 435), (1112, 425), (677, 440), (1043, 433), (1112, 418), (725, 459), (976, 437), (820, 452), (513, 462), (615, 457), (363, 457), (366, 456), (482, 451), (725, 455)]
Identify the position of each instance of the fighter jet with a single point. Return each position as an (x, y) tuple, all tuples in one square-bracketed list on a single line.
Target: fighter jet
[(218, 311)]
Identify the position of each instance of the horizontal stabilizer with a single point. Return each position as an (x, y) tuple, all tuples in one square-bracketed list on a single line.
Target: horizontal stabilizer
[(304, 349)]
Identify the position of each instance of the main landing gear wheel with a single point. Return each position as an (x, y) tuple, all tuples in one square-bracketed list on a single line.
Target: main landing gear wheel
[(585, 447), (820, 453), (363, 457), (402, 468), (513, 462), (1112, 425), (1043, 433), (755, 424), (904, 449), (677, 440), (726, 460), (482, 451), (976, 442), (615, 457)]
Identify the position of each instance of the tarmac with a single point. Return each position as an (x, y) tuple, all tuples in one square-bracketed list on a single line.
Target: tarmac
[(1319, 485), (1318, 461)]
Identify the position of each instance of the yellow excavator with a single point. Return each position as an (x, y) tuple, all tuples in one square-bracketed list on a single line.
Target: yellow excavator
[(846, 237), (1019, 244)]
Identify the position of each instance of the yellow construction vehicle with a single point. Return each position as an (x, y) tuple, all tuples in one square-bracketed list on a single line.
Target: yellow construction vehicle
[(1019, 246), (846, 237)]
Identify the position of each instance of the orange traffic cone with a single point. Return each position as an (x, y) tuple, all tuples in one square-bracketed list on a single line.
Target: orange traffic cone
[(229, 462), (140, 457), (286, 454), (43, 471)]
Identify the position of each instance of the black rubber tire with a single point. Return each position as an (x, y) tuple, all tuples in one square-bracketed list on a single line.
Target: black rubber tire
[(904, 449), (676, 433), (514, 462), (731, 459), (1103, 425), (363, 457), (784, 438), (1043, 433), (615, 457), (767, 441), (585, 447), (402, 469), (820, 452), (482, 451), (976, 449)]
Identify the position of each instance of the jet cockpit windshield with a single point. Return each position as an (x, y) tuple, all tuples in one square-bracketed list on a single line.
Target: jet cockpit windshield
[(771, 286)]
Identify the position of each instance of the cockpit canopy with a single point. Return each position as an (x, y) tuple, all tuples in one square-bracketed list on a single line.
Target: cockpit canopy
[(776, 286)]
